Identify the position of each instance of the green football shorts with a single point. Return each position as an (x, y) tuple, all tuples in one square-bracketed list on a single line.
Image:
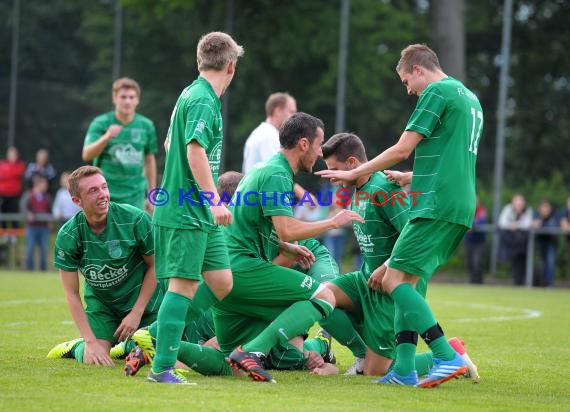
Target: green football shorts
[(424, 245), (187, 254)]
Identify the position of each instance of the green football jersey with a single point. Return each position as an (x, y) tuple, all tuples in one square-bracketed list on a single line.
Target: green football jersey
[(450, 118), (383, 221), (196, 117), (122, 160), (263, 192), (111, 262)]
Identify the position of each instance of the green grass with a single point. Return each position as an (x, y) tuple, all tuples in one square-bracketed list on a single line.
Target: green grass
[(518, 337)]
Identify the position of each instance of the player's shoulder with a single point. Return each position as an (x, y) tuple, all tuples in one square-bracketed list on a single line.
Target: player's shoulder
[(125, 213), (104, 118), (379, 181), (71, 230)]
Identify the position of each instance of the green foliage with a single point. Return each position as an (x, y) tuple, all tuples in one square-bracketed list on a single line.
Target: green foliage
[(66, 55), (526, 376)]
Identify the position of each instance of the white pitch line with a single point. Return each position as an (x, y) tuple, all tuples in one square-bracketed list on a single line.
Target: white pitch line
[(30, 323), (523, 313), (30, 302)]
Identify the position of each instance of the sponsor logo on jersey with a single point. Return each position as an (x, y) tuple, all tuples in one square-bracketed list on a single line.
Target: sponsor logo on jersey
[(114, 248), (127, 154), (307, 282), (104, 277), (215, 157), (364, 241)]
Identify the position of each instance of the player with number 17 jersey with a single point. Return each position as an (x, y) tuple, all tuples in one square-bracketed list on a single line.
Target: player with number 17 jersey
[(444, 164)]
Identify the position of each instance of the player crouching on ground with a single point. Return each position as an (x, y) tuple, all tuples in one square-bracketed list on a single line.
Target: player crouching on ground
[(112, 246)]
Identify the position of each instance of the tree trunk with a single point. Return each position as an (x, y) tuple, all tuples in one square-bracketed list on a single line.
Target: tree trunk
[(447, 20)]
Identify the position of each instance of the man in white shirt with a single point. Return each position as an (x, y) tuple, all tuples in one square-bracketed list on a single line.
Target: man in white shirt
[(263, 142)]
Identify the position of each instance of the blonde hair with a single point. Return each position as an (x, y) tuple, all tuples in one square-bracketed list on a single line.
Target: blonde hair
[(126, 83), (216, 50), (77, 175), (417, 54)]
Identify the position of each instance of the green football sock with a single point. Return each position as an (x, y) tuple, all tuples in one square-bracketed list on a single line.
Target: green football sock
[(294, 321), (441, 348), (171, 322), (78, 350), (340, 327), (129, 345), (153, 329), (419, 315), (315, 345), (414, 307), (405, 361), (204, 359), (424, 363)]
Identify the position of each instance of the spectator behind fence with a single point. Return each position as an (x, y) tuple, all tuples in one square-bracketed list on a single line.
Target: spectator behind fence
[(335, 239), (37, 201), (41, 167), (123, 144), (475, 245), (63, 206), (514, 222), (565, 224), (12, 171), (546, 217)]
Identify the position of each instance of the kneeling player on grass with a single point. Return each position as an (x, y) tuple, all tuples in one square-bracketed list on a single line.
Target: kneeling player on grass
[(323, 269), (112, 246), (270, 304), (199, 337), (384, 208)]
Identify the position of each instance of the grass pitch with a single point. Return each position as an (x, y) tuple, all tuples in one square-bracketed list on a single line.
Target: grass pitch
[(518, 337)]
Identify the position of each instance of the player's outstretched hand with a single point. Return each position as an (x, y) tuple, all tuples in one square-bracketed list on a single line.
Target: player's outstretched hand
[(375, 279), (313, 360), (299, 254), (401, 178), (347, 177), (222, 216), (96, 353), (346, 216), (128, 326)]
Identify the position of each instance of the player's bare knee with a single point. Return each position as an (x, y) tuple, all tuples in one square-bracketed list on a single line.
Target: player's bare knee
[(220, 282), (327, 295)]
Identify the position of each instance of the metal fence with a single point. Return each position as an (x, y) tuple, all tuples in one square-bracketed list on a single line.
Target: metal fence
[(489, 228)]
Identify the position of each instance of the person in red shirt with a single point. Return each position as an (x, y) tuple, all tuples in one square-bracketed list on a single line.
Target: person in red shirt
[(12, 171)]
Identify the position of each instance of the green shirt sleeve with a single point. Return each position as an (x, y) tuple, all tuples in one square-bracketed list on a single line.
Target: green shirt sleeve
[(428, 113), (276, 195), (96, 129), (152, 143), (200, 115), (143, 234), (66, 252)]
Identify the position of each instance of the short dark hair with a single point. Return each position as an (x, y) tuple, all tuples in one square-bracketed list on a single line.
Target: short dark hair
[(299, 125), (344, 145), (228, 182)]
